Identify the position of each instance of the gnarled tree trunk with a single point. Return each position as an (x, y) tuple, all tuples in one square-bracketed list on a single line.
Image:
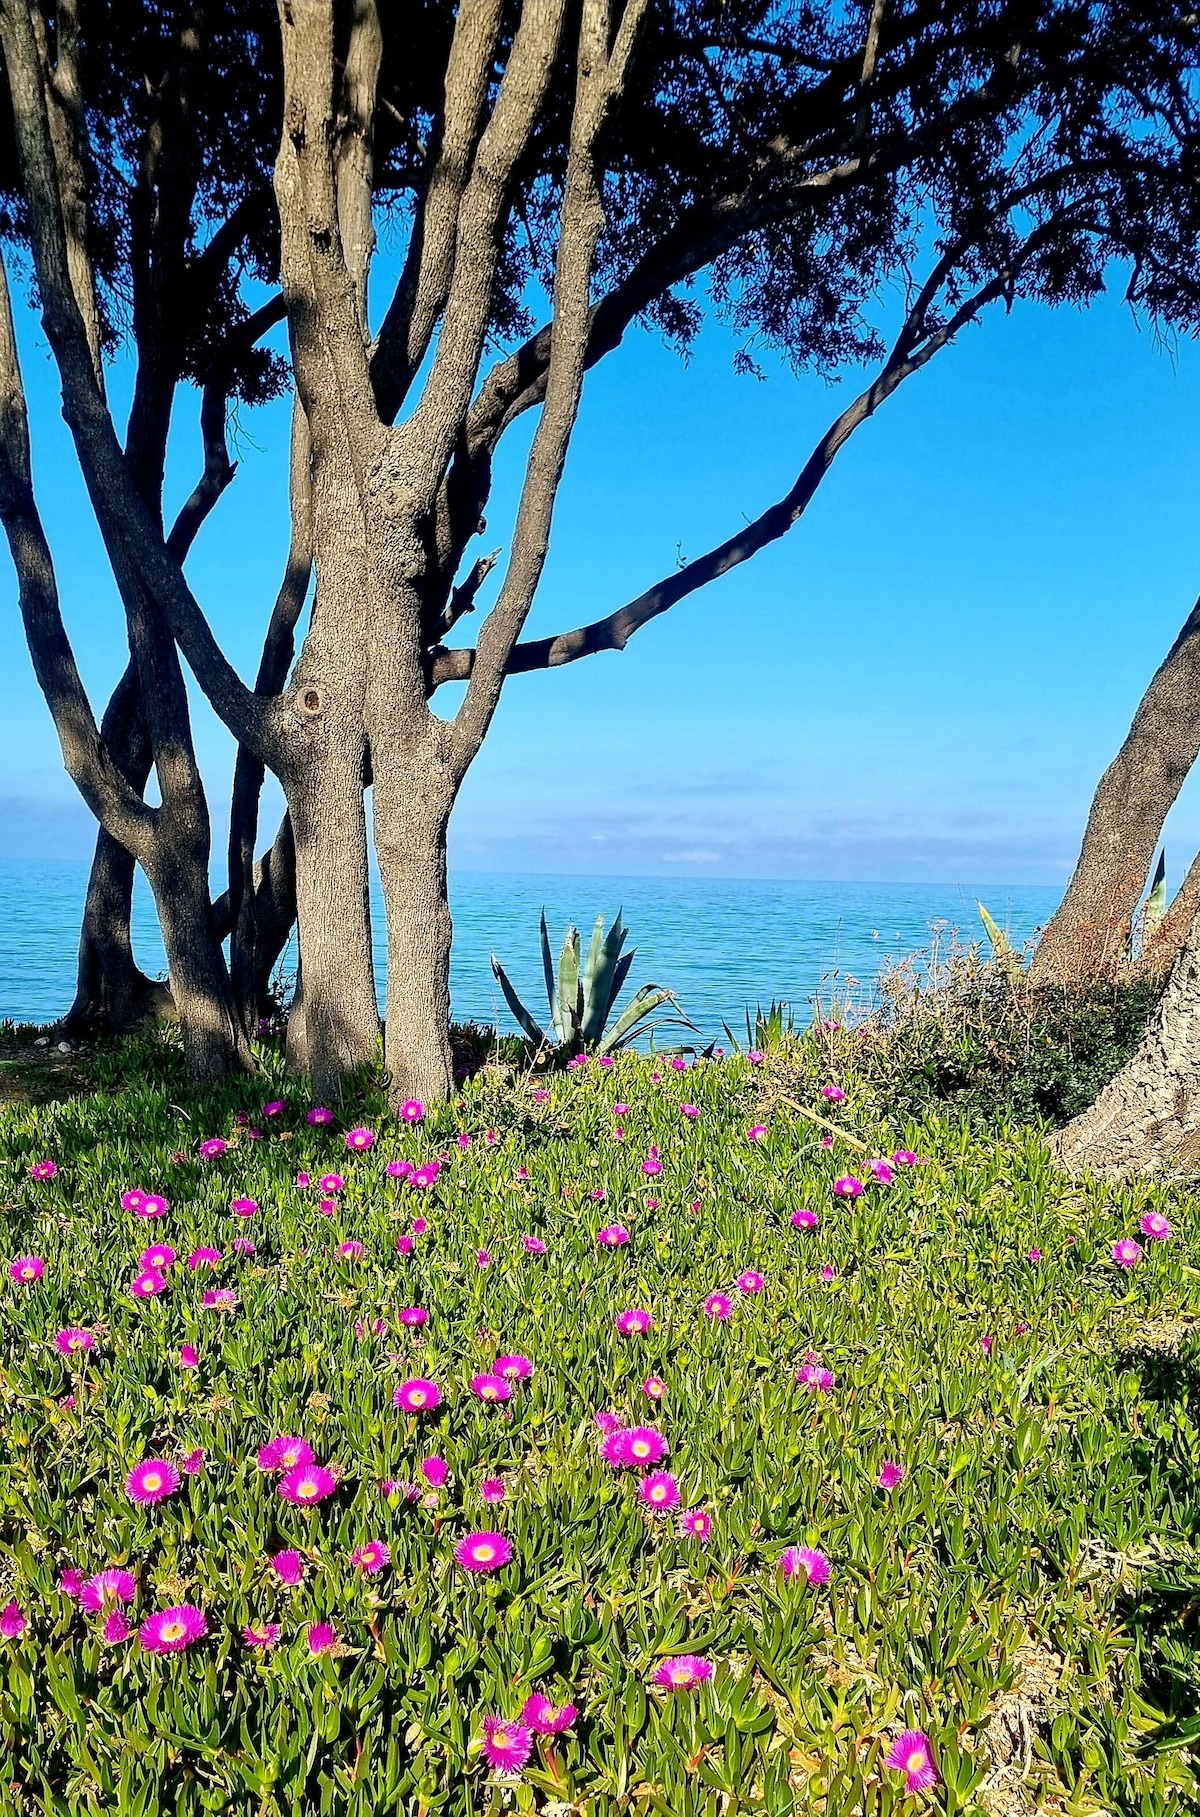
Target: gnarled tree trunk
[(1147, 1119), (1088, 938)]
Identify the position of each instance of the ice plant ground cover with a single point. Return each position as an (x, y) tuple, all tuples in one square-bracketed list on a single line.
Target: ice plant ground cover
[(888, 1507)]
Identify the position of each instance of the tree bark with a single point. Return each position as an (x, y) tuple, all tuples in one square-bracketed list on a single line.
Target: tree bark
[(412, 812), (1088, 938), (1147, 1119)]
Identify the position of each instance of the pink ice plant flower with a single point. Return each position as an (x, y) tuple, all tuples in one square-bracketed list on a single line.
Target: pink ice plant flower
[(1154, 1227), (882, 1172), (814, 1378), (696, 1524), (220, 1299), (904, 1157), (491, 1388), (322, 1637), (213, 1149), (533, 1245), (750, 1282), (801, 1561), (833, 1094), (848, 1186), (243, 1207), (331, 1182), (654, 1387), (203, 1258), (1127, 1253), (152, 1480), (634, 1322), (481, 1552), (112, 1586), (319, 1117), (683, 1673), (13, 1621), (74, 1339), (116, 1629), (638, 1448), (756, 1056), (159, 1256), (652, 1165), (547, 1718), (912, 1754), (435, 1470), (513, 1367), (27, 1269), (189, 1356), (148, 1284), (756, 1132), (306, 1484), (506, 1745), (690, 1110), (417, 1395), (718, 1306), (153, 1206), (492, 1489), (805, 1220), (284, 1453), (412, 1111), (43, 1170), (71, 1582), (412, 1316), (261, 1634), (607, 1422), (659, 1491), (358, 1141), (351, 1250), (613, 1236), (288, 1567), (891, 1475), (371, 1558), (193, 1463)]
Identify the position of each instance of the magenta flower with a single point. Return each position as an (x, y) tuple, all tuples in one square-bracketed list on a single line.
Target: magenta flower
[(690, 1110), (435, 1470), (891, 1475), (639, 1448), (303, 1179), (412, 1315), (659, 1491), (483, 1258), (275, 1108), (492, 1489), (306, 1484), (801, 1561), (652, 1165), (133, 1200), (634, 1322), (404, 1245), (506, 1745), (1035, 1256), (419, 1227), (220, 1299), (285, 1453), (73, 1339), (398, 1170), (152, 1480), (173, 1629), (319, 1117), (812, 1377), (288, 1567), (607, 1422), (547, 1718), (613, 1236), (322, 1637), (882, 1172), (805, 1220), (153, 1206), (359, 1140), (827, 1273), (912, 1755), (848, 1187), (71, 1582), (483, 1552), (985, 1344), (27, 1269), (413, 1111), (116, 1629), (696, 1524), (533, 1245), (490, 1388), (756, 1056), (243, 1208), (654, 1387), (107, 1586), (750, 1282), (261, 1634), (213, 1149), (331, 1182), (683, 1673), (13, 1621), (193, 1463), (1127, 1253), (189, 1356), (371, 1558), (1155, 1228), (833, 1094), (904, 1157), (149, 1283), (243, 1246), (757, 1133), (718, 1306), (43, 1170), (159, 1256), (203, 1258), (417, 1395), (513, 1367), (352, 1250)]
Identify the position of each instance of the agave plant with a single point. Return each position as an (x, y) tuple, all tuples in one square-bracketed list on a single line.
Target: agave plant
[(582, 996), (770, 1027)]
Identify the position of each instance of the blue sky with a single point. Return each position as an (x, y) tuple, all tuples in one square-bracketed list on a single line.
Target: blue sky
[(921, 683)]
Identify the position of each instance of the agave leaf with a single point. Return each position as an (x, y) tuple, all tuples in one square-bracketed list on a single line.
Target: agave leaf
[(732, 1038), (1001, 944), (517, 1007), (1156, 901), (569, 1013), (651, 1028), (644, 1002), (548, 970), (592, 967), (603, 982)]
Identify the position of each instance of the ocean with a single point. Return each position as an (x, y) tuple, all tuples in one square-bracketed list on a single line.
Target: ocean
[(723, 945)]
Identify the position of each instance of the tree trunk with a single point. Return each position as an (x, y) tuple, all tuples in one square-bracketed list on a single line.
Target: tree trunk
[(1147, 1119), (1088, 938), (413, 795), (112, 996), (1161, 947), (214, 1042)]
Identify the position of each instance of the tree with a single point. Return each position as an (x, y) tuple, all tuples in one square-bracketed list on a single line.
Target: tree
[(1089, 937), (607, 156)]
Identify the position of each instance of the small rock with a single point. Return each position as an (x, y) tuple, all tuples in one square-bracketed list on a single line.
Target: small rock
[(64, 1047), (42, 1041)]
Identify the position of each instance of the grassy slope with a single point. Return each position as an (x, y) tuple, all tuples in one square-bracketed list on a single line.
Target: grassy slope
[(1025, 1595)]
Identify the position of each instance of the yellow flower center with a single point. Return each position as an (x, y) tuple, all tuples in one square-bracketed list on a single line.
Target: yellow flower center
[(641, 1448), (152, 1480), (306, 1491), (500, 1738), (173, 1630), (915, 1761), (485, 1553)]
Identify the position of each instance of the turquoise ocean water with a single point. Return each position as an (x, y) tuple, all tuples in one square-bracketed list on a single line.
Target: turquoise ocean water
[(721, 944)]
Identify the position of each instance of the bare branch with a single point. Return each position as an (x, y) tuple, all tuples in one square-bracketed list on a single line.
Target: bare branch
[(421, 294), (462, 599), (354, 148), (68, 133), (118, 807)]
